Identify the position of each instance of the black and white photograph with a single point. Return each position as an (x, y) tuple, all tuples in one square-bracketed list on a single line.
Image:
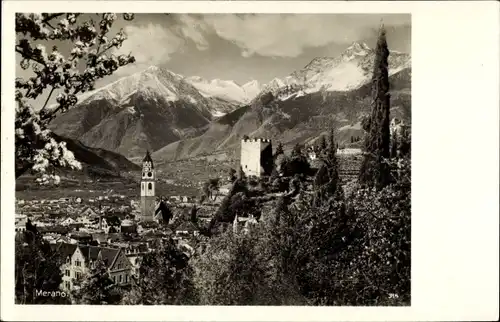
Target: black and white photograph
[(226, 158), (213, 159)]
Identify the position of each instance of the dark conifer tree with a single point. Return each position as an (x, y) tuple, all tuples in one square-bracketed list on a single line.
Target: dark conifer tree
[(322, 144), (394, 145), (375, 172), (279, 149)]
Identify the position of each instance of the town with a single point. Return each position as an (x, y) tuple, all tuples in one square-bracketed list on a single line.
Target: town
[(81, 229)]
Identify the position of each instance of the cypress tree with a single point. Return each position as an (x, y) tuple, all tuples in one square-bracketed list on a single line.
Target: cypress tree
[(394, 145), (322, 144), (375, 171)]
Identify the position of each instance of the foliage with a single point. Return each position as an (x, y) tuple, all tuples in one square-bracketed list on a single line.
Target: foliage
[(97, 287), (374, 171), (326, 179), (166, 212), (232, 175), (241, 174), (351, 249), (321, 145), (211, 187), (87, 62), (279, 149), (297, 163), (229, 272), (37, 267), (165, 278)]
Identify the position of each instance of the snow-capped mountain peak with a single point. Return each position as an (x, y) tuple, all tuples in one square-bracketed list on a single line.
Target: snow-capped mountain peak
[(225, 89), (357, 49), (348, 71)]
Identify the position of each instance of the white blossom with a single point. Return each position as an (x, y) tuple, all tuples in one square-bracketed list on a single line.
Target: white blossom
[(53, 70)]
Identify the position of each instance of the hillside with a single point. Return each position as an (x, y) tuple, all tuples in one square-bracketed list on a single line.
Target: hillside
[(147, 110), (98, 163), (295, 120)]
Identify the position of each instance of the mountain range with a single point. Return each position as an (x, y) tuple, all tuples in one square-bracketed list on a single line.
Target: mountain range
[(183, 117)]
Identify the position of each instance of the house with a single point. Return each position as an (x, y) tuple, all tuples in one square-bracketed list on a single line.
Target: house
[(84, 220), (54, 229), (187, 228), (224, 190), (79, 259), (20, 221), (66, 252), (128, 227), (89, 212), (103, 224), (134, 254), (81, 237), (244, 222), (68, 221)]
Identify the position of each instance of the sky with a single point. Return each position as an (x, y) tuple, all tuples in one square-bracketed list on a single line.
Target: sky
[(245, 47)]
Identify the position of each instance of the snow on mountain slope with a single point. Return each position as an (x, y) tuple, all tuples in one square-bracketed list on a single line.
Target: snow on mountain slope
[(225, 89), (252, 89), (155, 82), (349, 71)]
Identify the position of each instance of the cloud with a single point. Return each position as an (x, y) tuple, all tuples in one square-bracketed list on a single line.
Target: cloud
[(151, 44), (288, 35), (193, 29)]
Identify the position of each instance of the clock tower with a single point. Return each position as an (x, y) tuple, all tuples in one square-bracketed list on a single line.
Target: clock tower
[(148, 182)]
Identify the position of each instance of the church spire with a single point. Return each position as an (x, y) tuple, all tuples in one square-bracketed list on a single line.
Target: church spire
[(148, 158)]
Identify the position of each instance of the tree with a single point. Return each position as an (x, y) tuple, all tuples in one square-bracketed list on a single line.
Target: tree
[(279, 149), (394, 144), (404, 144), (297, 151), (232, 175), (37, 267), (166, 212), (321, 144), (327, 177), (241, 174), (165, 278), (97, 287), (210, 187), (229, 272), (193, 214), (36, 147), (297, 163), (374, 170)]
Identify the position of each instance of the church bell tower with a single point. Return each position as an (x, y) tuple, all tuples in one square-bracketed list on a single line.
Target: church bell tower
[(148, 182)]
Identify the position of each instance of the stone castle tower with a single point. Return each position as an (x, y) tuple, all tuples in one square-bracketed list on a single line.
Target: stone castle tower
[(148, 181), (256, 157)]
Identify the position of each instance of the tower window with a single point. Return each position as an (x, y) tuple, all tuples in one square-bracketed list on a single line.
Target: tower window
[(150, 174), (150, 186)]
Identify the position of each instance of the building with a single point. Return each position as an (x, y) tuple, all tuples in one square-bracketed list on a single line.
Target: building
[(20, 221), (256, 157), (79, 259), (187, 229), (148, 199), (128, 227), (134, 254)]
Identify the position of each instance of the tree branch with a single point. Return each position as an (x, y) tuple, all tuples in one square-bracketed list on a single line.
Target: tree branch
[(48, 97), (30, 57)]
